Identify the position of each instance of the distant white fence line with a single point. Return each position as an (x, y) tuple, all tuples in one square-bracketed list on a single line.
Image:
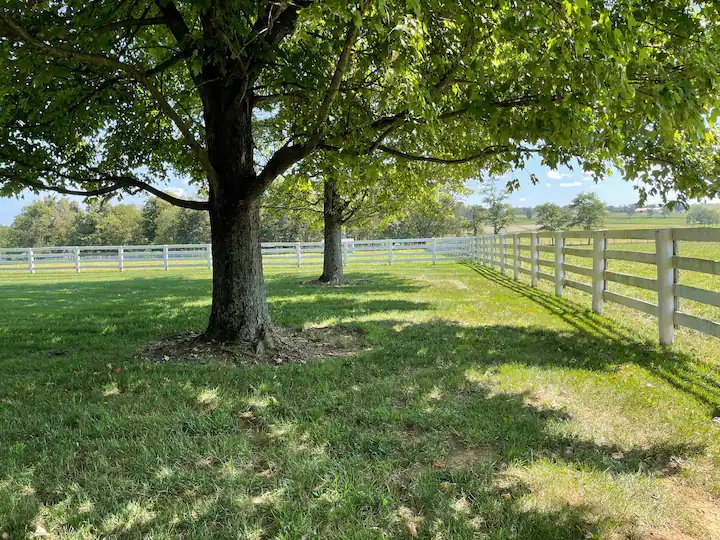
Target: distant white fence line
[(298, 254), (520, 253), (508, 252)]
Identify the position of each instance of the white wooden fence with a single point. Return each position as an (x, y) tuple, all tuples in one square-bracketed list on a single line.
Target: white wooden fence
[(298, 254), (521, 253)]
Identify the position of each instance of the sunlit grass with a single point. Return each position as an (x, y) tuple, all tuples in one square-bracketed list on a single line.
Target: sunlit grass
[(480, 408)]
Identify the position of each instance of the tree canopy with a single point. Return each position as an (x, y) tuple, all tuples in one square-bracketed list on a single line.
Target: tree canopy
[(110, 95), (702, 214), (498, 213), (588, 211), (551, 217)]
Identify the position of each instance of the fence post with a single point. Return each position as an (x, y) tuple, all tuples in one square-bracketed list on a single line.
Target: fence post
[(493, 251), (209, 255), (665, 278), (502, 254), (31, 260), (516, 257), (77, 259), (599, 265), (534, 256), (676, 277), (121, 258), (434, 250), (390, 251), (486, 255), (298, 254), (166, 258), (559, 264)]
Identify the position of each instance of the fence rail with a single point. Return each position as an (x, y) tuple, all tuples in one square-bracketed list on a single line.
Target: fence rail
[(593, 249), (578, 260), (77, 258)]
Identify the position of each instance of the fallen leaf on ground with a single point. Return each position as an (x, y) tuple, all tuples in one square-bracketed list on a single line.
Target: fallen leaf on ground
[(409, 520)]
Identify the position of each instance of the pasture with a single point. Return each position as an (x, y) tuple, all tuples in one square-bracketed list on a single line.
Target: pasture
[(477, 407), (616, 220)]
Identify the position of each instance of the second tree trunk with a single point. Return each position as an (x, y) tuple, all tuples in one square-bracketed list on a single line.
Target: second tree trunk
[(333, 221)]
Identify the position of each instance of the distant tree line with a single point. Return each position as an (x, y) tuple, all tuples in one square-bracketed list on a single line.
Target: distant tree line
[(703, 215), (56, 221)]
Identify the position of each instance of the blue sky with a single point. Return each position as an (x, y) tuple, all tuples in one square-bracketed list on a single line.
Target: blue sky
[(558, 186), (561, 186)]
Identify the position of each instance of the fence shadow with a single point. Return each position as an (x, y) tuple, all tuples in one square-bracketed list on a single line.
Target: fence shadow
[(672, 365), (403, 425), (340, 445)]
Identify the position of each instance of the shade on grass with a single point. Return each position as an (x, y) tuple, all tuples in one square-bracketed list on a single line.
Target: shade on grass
[(479, 408)]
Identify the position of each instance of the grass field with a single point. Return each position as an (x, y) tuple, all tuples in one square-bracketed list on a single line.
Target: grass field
[(478, 408), (614, 220)]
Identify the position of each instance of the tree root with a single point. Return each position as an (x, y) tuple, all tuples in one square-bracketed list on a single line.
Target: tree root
[(277, 346)]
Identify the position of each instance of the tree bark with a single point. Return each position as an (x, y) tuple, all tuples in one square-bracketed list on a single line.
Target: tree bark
[(333, 221), (239, 309), (239, 305)]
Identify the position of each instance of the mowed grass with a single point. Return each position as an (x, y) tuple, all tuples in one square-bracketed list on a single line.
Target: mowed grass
[(480, 408), (615, 220)]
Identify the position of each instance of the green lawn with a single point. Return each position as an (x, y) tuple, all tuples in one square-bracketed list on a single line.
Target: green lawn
[(614, 220), (480, 408)]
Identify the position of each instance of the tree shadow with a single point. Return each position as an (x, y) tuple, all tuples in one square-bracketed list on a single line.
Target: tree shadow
[(72, 313), (401, 426), (336, 448), (679, 369)]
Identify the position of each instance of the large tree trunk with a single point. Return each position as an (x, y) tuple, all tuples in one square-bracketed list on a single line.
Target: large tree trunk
[(333, 221), (239, 306)]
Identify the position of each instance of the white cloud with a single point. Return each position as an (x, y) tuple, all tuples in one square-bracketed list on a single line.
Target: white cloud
[(523, 199), (548, 184), (177, 192), (570, 184), (555, 175)]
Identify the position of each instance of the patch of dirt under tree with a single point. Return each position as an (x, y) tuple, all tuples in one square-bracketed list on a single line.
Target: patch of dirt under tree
[(291, 346)]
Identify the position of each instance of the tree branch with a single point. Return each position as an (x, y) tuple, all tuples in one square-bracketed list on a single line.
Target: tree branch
[(485, 152), (113, 64), (173, 19), (66, 191), (133, 23), (288, 155), (183, 203), (118, 182)]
